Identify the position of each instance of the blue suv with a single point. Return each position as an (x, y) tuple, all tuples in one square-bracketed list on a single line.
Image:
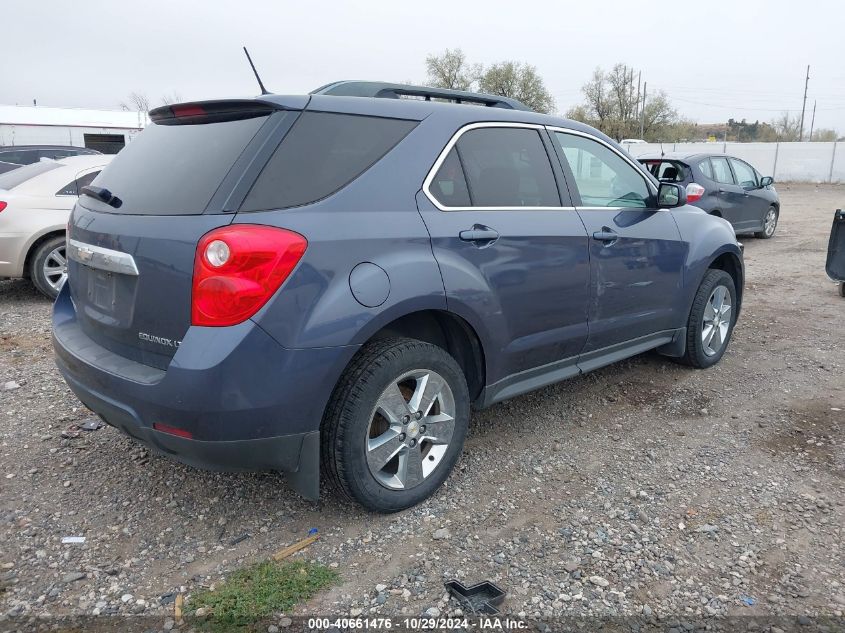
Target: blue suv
[(331, 281)]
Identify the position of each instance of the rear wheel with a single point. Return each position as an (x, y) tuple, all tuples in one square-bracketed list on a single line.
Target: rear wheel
[(396, 424), (711, 320), (770, 224), (48, 266)]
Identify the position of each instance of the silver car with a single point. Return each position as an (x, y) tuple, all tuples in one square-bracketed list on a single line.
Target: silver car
[(35, 203)]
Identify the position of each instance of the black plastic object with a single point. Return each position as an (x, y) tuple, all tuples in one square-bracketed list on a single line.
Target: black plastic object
[(835, 266), (485, 597)]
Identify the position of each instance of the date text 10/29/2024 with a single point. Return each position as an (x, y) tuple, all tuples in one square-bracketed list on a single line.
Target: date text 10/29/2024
[(483, 623)]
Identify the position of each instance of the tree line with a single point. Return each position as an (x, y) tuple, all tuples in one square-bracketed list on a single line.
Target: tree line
[(612, 102)]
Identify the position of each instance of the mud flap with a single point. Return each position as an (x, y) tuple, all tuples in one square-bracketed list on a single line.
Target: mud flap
[(306, 479), (835, 265), (677, 346)]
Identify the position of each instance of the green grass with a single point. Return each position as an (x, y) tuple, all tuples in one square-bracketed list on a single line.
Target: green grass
[(253, 594)]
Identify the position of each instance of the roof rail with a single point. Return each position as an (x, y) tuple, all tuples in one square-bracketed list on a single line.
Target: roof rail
[(384, 90)]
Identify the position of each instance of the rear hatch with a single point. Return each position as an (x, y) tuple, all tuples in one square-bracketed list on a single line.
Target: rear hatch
[(131, 260)]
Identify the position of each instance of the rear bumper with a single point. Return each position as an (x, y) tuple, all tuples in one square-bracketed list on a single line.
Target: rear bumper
[(247, 402)]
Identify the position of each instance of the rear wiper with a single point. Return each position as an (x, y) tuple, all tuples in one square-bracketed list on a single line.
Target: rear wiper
[(102, 194)]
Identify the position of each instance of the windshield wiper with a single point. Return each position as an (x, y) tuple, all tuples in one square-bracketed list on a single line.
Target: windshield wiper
[(103, 195)]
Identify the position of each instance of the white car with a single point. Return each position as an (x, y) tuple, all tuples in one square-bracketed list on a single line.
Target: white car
[(35, 204)]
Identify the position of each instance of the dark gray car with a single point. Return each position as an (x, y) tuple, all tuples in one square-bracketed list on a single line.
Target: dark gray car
[(290, 282), (725, 186)]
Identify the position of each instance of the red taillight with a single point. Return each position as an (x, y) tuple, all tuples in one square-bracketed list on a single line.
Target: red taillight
[(237, 268), (3, 205), (187, 110), (694, 192), (172, 430)]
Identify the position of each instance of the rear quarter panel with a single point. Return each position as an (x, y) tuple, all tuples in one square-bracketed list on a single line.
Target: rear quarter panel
[(373, 219)]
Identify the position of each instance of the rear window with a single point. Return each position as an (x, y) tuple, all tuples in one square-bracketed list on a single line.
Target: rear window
[(16, 177), (321, 154), (174, 169), (705, 168)]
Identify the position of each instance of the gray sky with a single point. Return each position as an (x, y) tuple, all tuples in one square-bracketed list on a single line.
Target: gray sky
[(715, 60)]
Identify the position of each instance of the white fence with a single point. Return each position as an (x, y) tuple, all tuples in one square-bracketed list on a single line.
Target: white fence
[(802, 162)]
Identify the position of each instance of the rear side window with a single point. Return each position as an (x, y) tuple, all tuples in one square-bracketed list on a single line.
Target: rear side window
[(705, 168), (721, 171), (321, 154), (507, 167), (449, 186), (12, 179), (174, 169)]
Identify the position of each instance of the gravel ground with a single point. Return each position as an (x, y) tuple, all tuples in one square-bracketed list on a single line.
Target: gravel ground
[(643, 488)]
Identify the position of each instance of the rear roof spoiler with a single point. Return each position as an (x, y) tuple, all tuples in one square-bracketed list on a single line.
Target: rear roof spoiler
[(384, 90), (212, 111)]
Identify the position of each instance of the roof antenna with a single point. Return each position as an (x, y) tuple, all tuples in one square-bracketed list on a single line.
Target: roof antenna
[(260, 84)]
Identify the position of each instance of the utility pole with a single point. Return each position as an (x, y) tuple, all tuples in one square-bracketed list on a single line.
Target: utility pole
[(804, 107), (639, 77), (813, 120), (642, 114)]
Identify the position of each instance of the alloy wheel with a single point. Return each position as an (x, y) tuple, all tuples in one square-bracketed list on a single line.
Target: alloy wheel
[(410, 429), (770, 222), (717, 320), (55, 268)]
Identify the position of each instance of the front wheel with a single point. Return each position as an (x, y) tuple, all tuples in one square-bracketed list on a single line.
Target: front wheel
[(396, 424), (48, 266), (711, 320), (770, 224)]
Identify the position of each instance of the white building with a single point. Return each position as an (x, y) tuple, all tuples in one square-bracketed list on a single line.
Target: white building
[(104, 130)]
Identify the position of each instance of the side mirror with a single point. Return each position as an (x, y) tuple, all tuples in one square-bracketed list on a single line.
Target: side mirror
[(765, 181), (670, 195)]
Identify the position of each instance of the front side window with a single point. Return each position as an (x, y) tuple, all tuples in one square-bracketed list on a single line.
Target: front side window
[(745, 176), (449, 186), (721, 171), (507, 167), (603, 177), (321, 154)]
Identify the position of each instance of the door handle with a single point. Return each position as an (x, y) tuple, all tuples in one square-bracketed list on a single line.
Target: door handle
[(606, 235), (479, 234)]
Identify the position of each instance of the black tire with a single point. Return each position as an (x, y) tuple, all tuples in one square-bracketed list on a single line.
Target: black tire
[(695, 354), (766, 235), (842, 288), (36, 266), (346, 424)]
